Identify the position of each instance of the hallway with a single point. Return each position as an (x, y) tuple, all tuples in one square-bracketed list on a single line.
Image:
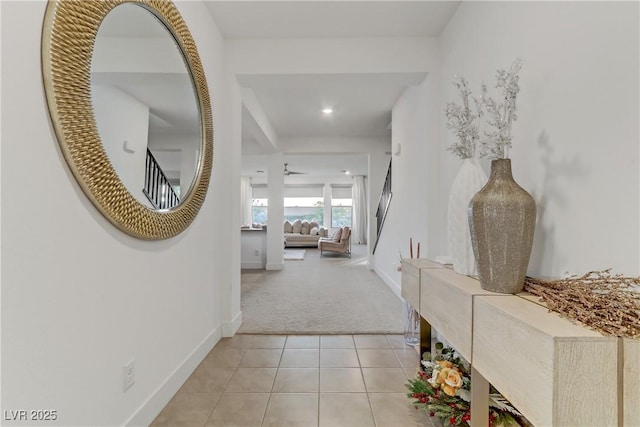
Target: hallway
[(296, 380), (329, 295)]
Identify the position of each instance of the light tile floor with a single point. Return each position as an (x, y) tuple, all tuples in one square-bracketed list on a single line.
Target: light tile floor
[(301, 381)]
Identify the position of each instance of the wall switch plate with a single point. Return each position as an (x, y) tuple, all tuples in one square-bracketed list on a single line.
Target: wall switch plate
[(129, 374)]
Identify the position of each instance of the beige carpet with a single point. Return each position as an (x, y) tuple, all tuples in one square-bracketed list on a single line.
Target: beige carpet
[(328, 295), (294, 254)]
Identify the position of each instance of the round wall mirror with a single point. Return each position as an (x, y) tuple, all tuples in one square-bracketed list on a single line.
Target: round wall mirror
[(145, 106), (129, 103)]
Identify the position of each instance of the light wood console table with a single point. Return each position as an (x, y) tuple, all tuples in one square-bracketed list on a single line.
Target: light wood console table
[(556, 372)]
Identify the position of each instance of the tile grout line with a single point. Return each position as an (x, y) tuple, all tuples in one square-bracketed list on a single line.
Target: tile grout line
[(244, 350), (404, 369), (319, 370), (264, 414), (235, 369), (224, 390), (318, 396), (366, 390)]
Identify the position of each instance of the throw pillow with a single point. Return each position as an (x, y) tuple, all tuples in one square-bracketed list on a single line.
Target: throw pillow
[(313, 224), (297, 226), (336, 236), (314, 231), (305, 228), (288, 228)]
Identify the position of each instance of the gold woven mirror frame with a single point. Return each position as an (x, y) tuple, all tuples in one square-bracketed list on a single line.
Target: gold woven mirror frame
[(69, 34)]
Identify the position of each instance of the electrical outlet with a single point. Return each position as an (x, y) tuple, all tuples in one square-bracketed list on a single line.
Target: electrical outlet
[(129, 374), (256, 252)]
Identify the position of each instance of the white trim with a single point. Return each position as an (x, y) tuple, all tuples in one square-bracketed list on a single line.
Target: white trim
[(252, 265), (395, 288), (150, 409), (275, 266), (229, 329)]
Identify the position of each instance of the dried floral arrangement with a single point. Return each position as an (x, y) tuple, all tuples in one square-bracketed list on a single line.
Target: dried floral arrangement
[(502, 114), (607, 303), (443, 389), (465, 123)]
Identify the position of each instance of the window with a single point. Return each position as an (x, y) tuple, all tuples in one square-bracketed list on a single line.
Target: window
[(304, 208), (259, 210), (341, 206), (341, 212)]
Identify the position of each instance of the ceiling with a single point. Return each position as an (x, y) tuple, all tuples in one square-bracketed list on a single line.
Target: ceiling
[(311, 165), (362, 103), (131, 20), (312, 19)]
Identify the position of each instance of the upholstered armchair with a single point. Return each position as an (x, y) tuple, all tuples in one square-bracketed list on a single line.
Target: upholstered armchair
[(340, 242)]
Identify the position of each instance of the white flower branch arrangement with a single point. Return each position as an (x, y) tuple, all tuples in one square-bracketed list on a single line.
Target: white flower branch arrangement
[(465, 123), (501, 114)]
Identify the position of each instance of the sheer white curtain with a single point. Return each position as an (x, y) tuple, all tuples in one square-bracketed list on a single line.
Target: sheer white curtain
[(245, 200), (359, 231)]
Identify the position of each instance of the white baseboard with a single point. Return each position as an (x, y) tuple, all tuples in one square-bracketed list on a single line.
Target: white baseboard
[(252, 265), (229, 329), (150, 409), (395, 288), (278, 266)]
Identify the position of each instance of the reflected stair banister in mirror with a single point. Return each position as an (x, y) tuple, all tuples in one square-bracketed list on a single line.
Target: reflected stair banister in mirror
[(157, 187), (383, 206)]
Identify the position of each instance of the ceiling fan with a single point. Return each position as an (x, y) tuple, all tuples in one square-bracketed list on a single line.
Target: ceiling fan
[(287, 172)]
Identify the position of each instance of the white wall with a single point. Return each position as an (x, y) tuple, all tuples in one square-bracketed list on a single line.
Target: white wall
[(253, 253), (262, 130), (226, 177), (575, 145), (79, 297), (335, 145), (177, 154), (189, 158), (275, 213), (414, 182), (119, 118), (137, 54)]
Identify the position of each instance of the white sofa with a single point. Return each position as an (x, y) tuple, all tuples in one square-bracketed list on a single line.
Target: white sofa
[(303, 233)]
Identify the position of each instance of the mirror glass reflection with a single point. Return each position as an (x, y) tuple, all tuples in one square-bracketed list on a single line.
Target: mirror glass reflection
[(145, 107)]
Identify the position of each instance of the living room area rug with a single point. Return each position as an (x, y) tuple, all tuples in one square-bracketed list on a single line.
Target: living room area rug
[(328, 295), (294, 254)]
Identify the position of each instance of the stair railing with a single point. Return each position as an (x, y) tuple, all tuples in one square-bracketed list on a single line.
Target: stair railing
[(383, 206), (157, 187)]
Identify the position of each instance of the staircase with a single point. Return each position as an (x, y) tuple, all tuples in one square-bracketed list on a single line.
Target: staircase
[(157, 187), (383, 206)]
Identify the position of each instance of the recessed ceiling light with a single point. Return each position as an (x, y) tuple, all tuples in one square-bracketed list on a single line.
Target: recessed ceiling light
[(347, 172), (327, 110)]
